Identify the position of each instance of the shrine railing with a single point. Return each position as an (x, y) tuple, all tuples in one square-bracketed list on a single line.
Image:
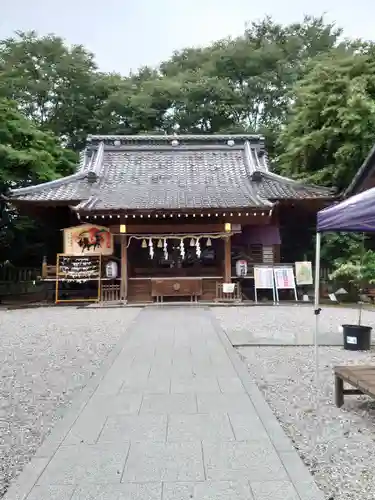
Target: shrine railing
[(110, 293), (223, 295)]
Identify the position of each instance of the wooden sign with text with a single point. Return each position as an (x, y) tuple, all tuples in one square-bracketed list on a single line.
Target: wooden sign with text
[(88, 239)]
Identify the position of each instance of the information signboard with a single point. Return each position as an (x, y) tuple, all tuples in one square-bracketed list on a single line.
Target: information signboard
[(284, 279), (264, 280), (304, 274), (73, 272)]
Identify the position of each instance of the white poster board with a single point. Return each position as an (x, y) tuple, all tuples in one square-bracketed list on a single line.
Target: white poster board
[(284, 279), (304, 274), (264, 280), (228, 287)]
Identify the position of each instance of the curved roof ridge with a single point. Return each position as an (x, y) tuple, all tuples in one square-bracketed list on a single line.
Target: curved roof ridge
[(49, 184), (170, 137)]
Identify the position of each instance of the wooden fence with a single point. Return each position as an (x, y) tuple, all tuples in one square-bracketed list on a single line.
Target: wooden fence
[(223, 296), (110, 293), (18, 274), (15, 281)]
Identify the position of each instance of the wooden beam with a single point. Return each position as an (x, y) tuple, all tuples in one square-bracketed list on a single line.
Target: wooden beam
[(182, 226), (124, 268), (150, 228), (227, 260)]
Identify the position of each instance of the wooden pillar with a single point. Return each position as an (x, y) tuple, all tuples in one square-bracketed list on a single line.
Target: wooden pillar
[(227, 260), (124, 268), (44, 268)]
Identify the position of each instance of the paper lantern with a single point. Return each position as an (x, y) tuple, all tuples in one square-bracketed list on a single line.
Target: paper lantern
[(111, 269), (241, 268)]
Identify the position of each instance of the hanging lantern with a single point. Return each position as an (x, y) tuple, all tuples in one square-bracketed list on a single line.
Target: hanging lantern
[(198, 248), (209, 243), (144, 244), (160, 244), (192, 242), (151, 248), (111, 269), (241, 268)]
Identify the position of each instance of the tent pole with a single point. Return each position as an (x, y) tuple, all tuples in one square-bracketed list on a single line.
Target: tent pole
[(317, 309), (360, 280)]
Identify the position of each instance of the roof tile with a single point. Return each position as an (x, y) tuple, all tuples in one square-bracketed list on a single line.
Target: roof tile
[(202, 172)]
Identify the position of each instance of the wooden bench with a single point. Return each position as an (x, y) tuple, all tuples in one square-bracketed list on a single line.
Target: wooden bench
[(362, 378), (370, 293)]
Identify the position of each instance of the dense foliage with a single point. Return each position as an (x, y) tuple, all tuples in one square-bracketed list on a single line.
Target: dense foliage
[(310, 94), (355, 275), (331, 125), (28, 155)]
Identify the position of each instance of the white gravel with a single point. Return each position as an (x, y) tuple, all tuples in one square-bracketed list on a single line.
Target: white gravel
[(287, 323), (337, 445), (46, 356)]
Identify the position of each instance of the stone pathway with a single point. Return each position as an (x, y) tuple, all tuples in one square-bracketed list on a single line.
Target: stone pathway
[(173, 416)]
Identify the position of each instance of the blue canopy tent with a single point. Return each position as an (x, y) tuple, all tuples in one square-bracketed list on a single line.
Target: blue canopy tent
[(356, 213)]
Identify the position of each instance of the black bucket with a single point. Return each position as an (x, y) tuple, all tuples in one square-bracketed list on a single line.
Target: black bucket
[(357, 337)]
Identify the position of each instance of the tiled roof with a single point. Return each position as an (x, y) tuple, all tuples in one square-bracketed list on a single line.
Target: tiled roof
[(276, 187), (170, 172)]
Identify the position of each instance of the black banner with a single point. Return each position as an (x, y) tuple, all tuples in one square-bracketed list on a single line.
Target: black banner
[(79, 269)]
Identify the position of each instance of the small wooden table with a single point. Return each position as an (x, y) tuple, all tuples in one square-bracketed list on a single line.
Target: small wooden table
[(362, 378), (176, 287)]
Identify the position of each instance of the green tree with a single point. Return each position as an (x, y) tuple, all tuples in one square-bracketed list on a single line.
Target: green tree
[(136, 104), (245, 83), (27, 156), (56, 86), (331, 126), (239, 84), (338, 248)]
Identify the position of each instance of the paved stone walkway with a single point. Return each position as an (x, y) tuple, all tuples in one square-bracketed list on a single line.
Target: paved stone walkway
[(173, 416)]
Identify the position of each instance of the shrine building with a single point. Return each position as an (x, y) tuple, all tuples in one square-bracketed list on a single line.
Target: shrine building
[(168, 217)]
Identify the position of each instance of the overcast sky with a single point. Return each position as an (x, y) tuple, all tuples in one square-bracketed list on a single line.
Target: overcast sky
[(126, 34)]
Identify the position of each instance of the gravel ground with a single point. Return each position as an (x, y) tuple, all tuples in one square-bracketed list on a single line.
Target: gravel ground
[(287, 322), (47, 355), (336, 444)]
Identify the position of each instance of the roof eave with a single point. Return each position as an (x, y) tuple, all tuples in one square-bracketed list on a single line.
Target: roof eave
[(179, 211), (12, 194), (364, 171), (41, 203), (297, 183), (304, 198)]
